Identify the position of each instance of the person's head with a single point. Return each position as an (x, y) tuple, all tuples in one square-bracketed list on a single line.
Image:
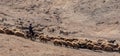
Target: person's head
[(30, 24)]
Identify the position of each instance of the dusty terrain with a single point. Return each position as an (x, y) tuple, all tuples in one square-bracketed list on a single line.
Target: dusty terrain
[(92, 19), (17, 46)]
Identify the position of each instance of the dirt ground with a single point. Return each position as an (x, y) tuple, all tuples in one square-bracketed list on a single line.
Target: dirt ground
[(92, 19), (17, 46)]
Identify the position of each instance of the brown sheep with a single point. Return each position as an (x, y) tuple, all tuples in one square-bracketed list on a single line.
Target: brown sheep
[(90, 41), (60, 38), (68, 44), (111, 41), (93, 45), (119, 49), (71, 40), (18, 33), (1, 30), (114, 46), (82, 43), (101, 41), (96, 47), (57, 42), (64, 43), (52, 38), (44, 38), (106, 47), (8, 31), (90, 46), (75, 45)]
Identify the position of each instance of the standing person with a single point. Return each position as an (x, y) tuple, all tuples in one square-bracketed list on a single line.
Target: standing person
[(31, 30)]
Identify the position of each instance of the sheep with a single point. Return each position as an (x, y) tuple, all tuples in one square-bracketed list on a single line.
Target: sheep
[(111, 41), (88, 40), (1, 30), (93, 45), (71, 40), (75, 45), (114, 45), (106, 47), (41, 35), (116, 49), (100, 41), (8, 31), (60, 38), (119, 49), (82, 44), (20, 34), (57, 42), (44, 38), (86, 43), (52, 38), (90, 46), (68, 44), (96, 47), (65, 43)]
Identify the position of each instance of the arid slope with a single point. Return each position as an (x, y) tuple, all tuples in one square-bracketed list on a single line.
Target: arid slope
[(17, 46)]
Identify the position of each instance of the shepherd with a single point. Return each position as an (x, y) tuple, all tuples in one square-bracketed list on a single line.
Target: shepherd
[(31, 30)]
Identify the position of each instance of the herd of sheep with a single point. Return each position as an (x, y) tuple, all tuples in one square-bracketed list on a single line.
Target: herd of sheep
[(100, 44)]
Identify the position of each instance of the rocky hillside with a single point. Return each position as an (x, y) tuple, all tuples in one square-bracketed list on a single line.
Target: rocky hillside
[(69, 18)]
